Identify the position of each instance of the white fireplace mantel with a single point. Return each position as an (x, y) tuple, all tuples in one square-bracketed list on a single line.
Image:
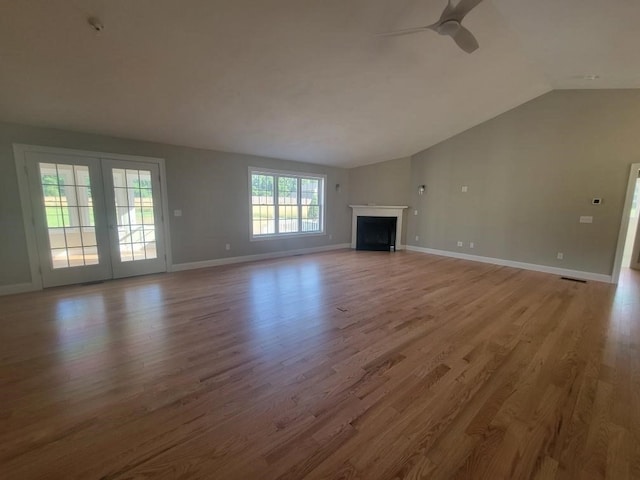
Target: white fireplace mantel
[(378, 211)]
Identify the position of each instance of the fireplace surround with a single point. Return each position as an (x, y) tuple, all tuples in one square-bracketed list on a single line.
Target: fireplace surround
[(378, 211)]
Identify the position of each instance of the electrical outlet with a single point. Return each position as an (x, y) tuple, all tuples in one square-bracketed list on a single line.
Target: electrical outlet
[(330, 237), (560, 256), (465, 189), (472, 245), (460, 244), (227, 246), (417, 238), (177, 213), (415, 212)]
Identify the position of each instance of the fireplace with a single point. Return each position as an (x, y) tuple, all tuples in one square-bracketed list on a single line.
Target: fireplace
[(386, 234), (376, 233)]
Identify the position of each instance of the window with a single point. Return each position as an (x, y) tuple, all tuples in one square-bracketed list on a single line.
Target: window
[(284, 203)]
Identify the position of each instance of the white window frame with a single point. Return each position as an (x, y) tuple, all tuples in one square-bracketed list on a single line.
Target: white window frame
[(299, 176)]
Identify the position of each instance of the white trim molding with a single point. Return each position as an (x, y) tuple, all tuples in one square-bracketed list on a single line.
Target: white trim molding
[(377, 211), (624, 222), (564, 272), (179, 267)]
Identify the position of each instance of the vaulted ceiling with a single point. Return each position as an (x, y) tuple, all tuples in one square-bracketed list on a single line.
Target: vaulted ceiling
[(305, 80)]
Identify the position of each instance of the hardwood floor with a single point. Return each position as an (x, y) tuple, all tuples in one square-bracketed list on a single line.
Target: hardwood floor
[(345, 365)]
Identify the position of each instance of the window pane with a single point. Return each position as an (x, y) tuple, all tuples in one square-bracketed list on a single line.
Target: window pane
[(126, 252), (89, 237), (288, 218), (52, 199), (86, 216), (135, 215), (59, 258), (76, 257), (262, 189), (310, 190), (82, 175), (149, 234), (133, 179), (287, 191), (147, 215), (66, 175), (56, 238), (119, 178), (73, 237), (54, 217), (263, 219), (138, 251), (124, 234), (310, 199), (121, 196), (151, 250), (83, 196), (91, 256), (70, 198)]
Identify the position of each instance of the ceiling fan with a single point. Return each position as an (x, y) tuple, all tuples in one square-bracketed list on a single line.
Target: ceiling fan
[(450, 23)]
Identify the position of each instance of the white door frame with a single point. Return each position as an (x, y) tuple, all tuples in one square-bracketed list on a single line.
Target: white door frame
[(624, 223), (19, 154)]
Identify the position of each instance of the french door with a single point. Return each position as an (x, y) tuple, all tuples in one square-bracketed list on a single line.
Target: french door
[(134, 215), (95, 218)]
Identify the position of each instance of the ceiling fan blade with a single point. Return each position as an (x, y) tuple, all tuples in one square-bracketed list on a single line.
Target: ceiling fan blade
[(406, 31), (460, 10), (465, 40), (448, 12)]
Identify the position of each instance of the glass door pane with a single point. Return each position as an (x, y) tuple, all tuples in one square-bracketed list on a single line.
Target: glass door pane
[(134, 204), (70, 215), (67, 196)]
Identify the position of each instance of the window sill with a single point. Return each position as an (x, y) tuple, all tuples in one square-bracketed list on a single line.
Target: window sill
[(279, 236)]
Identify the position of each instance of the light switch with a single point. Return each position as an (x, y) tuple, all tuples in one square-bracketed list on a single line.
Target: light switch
[(465, 189), (586, 219), (415, 212), (177, 213)]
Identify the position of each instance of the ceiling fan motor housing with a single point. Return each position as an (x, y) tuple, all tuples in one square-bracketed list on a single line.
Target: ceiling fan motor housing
[(448, 27)]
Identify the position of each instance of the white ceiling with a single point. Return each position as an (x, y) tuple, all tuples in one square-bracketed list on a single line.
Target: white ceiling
[(305, 80)]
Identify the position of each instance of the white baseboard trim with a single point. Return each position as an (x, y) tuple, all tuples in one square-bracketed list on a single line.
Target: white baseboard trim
[(17, 288), (179, 267), (563, 272)]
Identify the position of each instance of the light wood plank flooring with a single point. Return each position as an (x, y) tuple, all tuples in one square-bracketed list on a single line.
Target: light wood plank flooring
[(344, 365)]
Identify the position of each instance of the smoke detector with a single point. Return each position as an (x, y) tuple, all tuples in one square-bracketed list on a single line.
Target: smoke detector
[(96, 24)]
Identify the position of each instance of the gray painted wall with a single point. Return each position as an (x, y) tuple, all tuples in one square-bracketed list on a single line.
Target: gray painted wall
[(531, 173), (385, 183), (211, 189)]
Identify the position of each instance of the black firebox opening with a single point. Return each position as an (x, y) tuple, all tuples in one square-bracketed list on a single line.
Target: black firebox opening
[(376, 233)]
